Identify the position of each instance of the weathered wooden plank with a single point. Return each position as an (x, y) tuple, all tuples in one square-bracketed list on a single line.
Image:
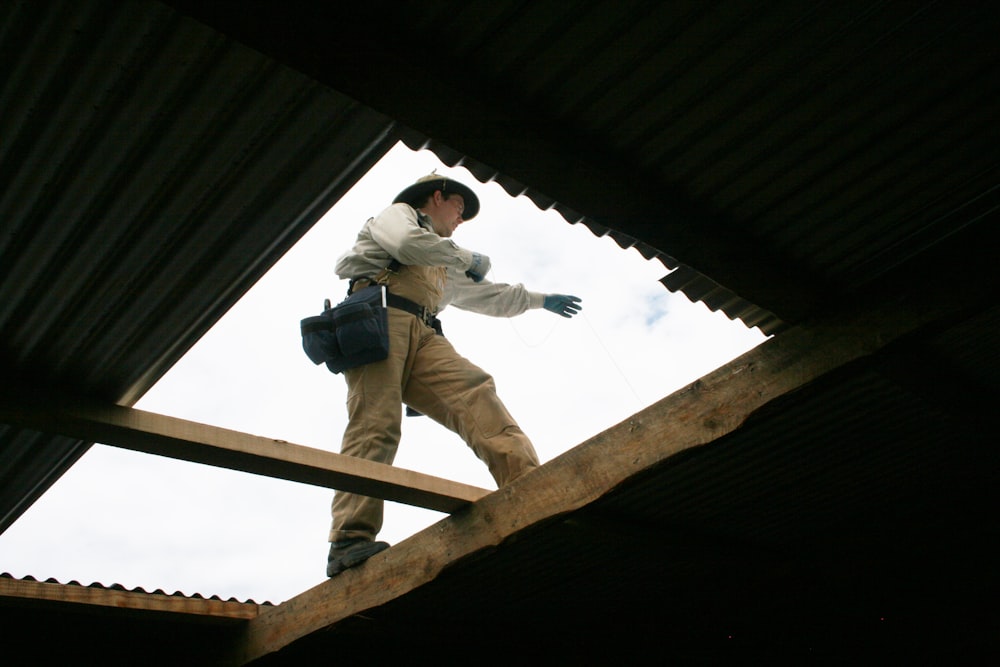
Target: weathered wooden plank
[(152, 433), (121, 599), (704, 411)]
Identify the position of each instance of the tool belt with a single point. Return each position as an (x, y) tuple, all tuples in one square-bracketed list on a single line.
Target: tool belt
[(355, 332)]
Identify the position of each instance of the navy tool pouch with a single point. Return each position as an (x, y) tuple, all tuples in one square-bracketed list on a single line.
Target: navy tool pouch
[(353, 333)]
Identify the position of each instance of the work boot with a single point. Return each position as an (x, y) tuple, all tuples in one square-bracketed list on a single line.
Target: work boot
[(348, 553)]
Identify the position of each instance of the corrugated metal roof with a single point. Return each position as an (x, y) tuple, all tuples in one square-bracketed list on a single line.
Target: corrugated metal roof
[(96, 586), (152, 170), (122, 143), (843, 137)]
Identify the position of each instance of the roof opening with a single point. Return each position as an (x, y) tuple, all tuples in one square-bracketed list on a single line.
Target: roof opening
[(151, 522)]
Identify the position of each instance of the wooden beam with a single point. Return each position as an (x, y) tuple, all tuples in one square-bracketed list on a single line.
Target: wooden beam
[(118, 599), (704, 411), (152, 433)]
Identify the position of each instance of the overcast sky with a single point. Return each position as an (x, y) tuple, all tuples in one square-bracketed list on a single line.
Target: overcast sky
[(120, 517)]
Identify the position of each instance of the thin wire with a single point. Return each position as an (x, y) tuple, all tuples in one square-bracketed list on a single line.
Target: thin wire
[(510, 320), (611, 358), (593, 330), (545, 338)]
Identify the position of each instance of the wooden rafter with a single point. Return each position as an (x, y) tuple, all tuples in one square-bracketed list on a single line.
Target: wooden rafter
[(152, 433)]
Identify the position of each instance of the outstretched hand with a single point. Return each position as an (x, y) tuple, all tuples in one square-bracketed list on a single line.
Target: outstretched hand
[(562, 304)]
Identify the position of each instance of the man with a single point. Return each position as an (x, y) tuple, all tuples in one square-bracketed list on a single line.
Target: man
[(408, 248)]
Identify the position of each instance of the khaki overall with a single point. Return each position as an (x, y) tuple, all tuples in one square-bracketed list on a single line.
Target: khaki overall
[(424, 372)]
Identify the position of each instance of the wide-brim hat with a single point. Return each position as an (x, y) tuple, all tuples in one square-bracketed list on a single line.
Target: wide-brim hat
[(428, 184)]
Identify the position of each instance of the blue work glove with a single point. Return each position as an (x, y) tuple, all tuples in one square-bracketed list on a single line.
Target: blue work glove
[(562, 304), (480, 267)]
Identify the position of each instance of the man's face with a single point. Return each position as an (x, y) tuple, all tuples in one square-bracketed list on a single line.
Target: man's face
[(445, 214)]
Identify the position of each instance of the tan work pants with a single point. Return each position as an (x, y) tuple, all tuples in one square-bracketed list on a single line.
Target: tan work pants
[(425, 372)]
